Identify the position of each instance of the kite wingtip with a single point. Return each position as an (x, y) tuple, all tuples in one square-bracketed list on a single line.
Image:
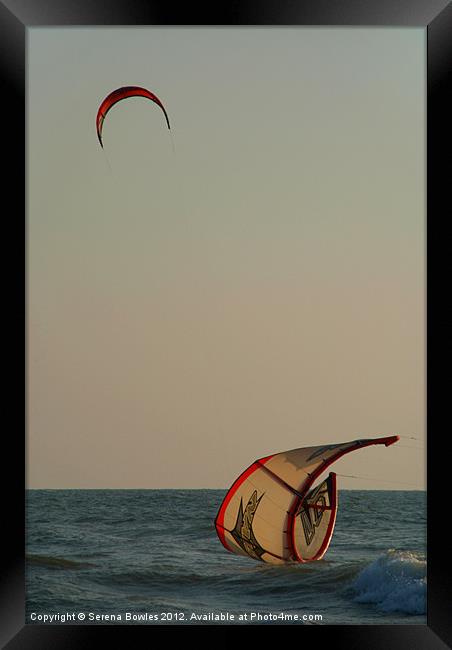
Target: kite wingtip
[(391, 440)]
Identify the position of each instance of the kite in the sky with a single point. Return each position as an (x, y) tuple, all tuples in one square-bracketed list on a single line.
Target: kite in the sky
[(118, 95), (273, 513)]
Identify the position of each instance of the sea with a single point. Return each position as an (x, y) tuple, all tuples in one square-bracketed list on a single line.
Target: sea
[(152, 557)]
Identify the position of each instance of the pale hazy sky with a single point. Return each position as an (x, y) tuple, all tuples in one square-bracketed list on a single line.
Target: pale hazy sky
[(258, 288)]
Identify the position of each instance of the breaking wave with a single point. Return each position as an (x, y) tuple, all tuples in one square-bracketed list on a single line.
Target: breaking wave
[(395, 582)]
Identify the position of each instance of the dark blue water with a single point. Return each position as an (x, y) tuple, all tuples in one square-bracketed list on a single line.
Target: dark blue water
[(123, 554)]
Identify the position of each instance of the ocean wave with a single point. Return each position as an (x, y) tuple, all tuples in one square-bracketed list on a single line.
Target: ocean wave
[(148, 578), (56, 562), (395, 582)]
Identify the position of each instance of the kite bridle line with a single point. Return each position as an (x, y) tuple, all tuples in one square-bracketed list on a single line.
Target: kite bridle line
[(380, 480)]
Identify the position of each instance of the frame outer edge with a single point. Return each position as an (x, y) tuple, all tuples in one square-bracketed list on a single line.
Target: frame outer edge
[(12, 42), (439, 111), (12, 73)]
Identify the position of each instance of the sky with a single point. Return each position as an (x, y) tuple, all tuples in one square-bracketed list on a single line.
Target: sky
[(249, 282)]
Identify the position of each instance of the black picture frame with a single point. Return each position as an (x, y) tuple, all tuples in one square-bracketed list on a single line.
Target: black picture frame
[(16, 16)]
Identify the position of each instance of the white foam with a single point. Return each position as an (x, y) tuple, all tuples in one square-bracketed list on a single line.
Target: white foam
[(395, 582)]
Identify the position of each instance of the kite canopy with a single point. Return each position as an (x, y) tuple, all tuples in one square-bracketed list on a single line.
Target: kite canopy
[(116, 96), (272, 513)]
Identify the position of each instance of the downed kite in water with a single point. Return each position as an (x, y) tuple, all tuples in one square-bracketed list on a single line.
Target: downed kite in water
[(272, 513), (124, 93)]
